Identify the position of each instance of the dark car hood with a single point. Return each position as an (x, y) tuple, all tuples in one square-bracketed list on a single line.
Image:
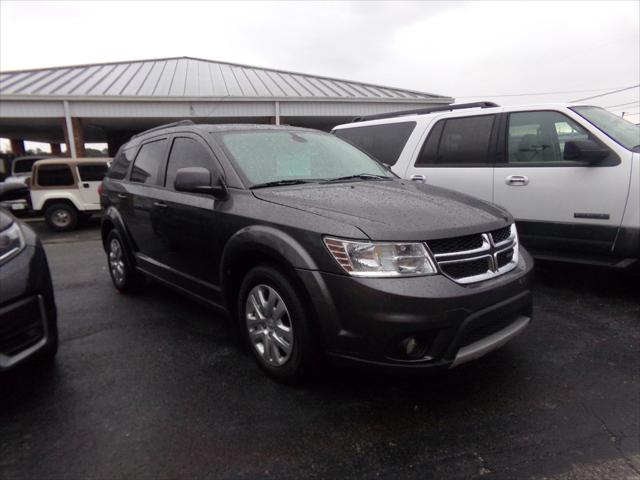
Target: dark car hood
[(393, 210)]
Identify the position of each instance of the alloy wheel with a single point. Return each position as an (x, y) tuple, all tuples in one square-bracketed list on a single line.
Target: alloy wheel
[(269, 325), (116, 261)]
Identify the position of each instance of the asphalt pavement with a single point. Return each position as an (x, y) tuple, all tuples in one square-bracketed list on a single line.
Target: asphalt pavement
[(155, 386)]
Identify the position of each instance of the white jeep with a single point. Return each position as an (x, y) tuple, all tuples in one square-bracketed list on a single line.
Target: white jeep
[(65, 190)]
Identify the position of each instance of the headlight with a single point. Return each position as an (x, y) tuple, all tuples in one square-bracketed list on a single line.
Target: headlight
[(11, 242), (381, 259)]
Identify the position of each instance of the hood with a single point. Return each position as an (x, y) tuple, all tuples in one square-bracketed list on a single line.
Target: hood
[(393, 210)]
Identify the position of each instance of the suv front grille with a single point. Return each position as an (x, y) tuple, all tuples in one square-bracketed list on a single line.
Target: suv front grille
[(473, 258), (470, 268), (450, 245), (503, 258), (501, 235)]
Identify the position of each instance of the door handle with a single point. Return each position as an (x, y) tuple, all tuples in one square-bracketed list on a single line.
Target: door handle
[(418, 178), (85, 185), (517, 180), (160, 204), (123, 196)]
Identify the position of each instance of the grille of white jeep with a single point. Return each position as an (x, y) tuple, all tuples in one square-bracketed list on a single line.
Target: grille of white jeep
[(474, 258)]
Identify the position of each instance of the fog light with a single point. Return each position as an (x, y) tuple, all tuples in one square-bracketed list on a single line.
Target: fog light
[(413, 348)]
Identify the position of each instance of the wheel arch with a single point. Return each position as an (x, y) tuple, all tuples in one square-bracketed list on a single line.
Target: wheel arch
[(112, 220), (47, 200), (57, 200), (256, 245)]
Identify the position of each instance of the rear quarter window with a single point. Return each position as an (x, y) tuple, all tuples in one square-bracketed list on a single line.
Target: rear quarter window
[(92, 173), (458, 141), (384, 142), (55, 176)]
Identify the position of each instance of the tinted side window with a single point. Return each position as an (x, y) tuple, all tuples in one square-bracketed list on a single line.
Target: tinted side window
[(23, 166), (92, 173), (121, 162), (458, 141), (55, 176), (383, 142), (148, 162), (186, 152), (541, 136)]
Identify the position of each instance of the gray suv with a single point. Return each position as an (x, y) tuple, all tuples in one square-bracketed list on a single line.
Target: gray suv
[(314, 248)]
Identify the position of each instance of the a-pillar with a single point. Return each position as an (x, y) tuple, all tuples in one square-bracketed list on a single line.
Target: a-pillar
[(78, 137), (17, 146), (55, 149)]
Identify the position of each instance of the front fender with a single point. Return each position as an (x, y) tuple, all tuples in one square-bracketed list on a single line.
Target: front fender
[(288, 251), (270, 241)]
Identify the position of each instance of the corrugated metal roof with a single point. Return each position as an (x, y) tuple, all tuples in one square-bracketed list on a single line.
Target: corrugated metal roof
[(186, 77)]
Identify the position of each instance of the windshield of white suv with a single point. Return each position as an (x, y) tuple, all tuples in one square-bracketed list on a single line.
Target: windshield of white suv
[(625, 133), (286, 156)]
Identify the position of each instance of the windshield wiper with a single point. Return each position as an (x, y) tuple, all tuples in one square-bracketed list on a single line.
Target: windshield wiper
[(279, 183), (360, 176)]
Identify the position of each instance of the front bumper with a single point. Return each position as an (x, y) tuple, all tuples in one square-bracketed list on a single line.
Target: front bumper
[(24, 331), (16, 205), (364, 320), (28, 323)]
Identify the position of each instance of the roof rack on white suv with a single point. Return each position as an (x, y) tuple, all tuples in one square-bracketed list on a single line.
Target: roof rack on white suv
[(426, 110)]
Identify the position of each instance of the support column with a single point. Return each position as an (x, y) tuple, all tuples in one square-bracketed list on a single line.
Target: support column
[(78, 135), (55, 149), (17, 146), (73, 134)]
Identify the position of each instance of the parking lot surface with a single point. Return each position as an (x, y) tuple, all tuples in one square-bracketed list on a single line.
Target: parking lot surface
[(155, 386)]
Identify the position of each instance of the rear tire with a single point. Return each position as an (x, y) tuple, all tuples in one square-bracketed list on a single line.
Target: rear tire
[(61, 217), (275, 325), (123, 274)]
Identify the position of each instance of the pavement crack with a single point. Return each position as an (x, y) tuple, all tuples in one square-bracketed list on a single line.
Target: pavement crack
[(615, 440), (484, 469)]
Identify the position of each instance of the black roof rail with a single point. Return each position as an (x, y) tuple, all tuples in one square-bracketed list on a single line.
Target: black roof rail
[(168, 125), (424, 111)]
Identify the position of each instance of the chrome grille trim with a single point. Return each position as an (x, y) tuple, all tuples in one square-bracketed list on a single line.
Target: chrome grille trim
[(489, 251)]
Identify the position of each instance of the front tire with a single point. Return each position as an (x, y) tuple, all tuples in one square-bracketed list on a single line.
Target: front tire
[(61, 217), (123, 274), (275, 325)]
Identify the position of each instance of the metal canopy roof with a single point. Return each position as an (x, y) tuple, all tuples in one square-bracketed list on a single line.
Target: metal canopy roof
[(186, 77)]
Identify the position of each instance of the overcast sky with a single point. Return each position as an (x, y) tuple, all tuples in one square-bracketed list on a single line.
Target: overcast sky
[(468, 50)]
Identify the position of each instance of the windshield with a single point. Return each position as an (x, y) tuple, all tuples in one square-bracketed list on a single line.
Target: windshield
[(625, 133), (285, 155)]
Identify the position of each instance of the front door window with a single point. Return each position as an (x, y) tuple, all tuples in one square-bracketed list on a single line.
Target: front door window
[(540, 137)]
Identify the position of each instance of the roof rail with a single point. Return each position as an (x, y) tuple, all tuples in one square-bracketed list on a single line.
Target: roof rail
[(424, 111), (168, 125)]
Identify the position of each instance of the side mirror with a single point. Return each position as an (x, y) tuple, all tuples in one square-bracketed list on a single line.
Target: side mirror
[(586, 150), (198, 180)]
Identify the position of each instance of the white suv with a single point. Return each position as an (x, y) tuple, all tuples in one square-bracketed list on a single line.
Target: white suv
[(65, 190), (569, 174)]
